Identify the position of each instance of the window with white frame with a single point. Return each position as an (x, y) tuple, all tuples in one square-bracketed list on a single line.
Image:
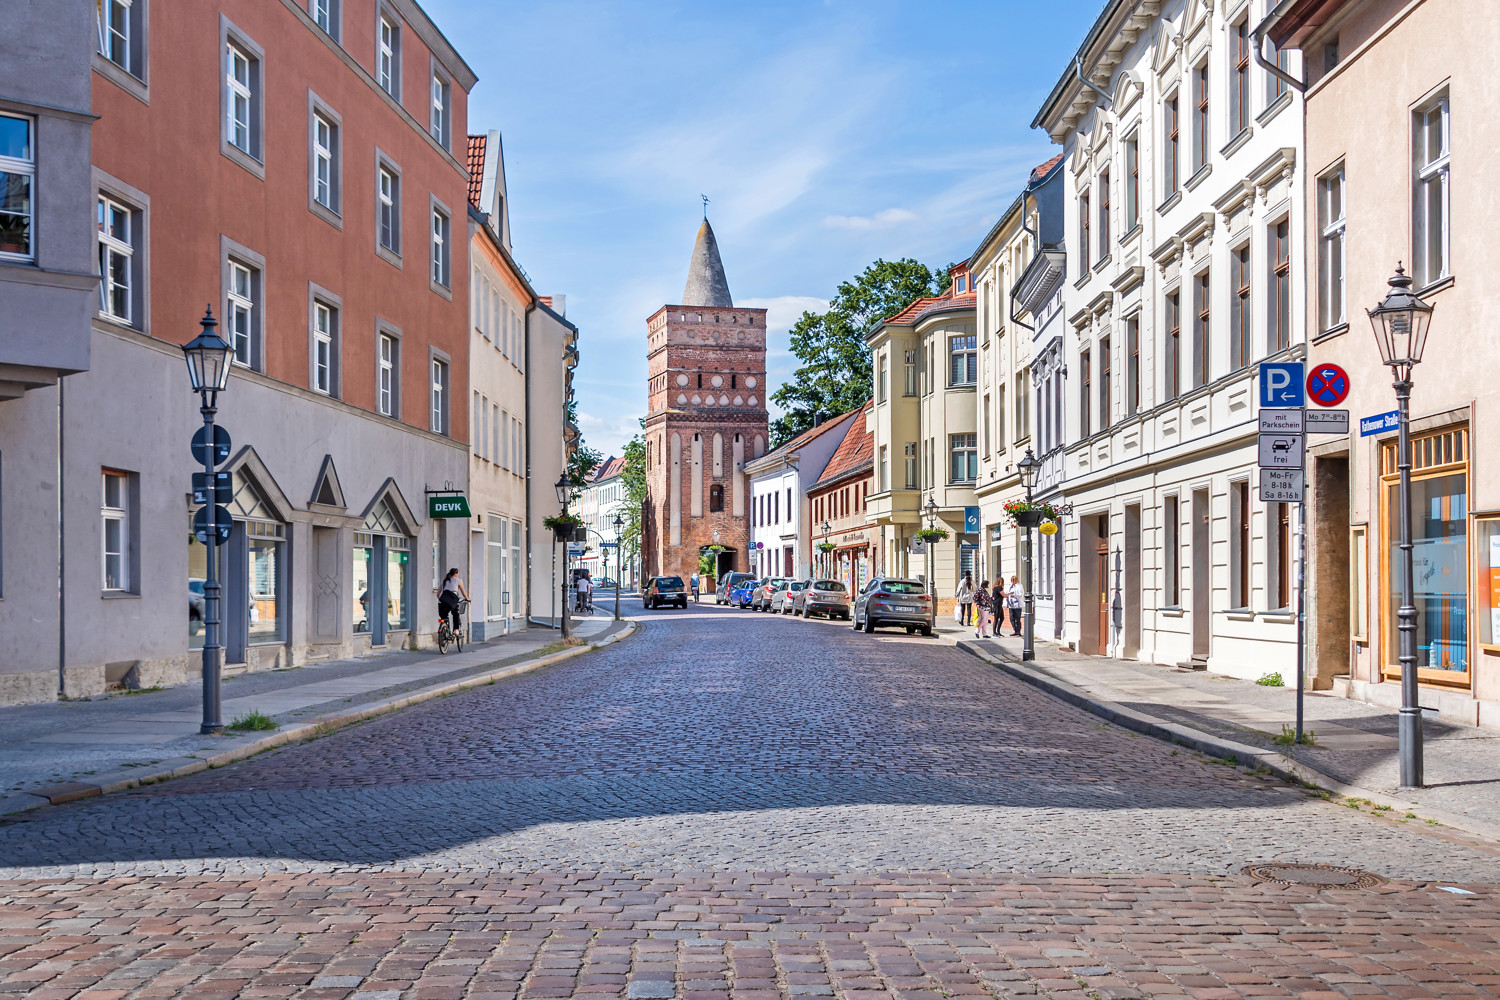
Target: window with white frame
[(325, 14), (439, 424), (116, 260), (325, 161), (1201, 117), (115, 513), (1171, 156), (387, 387), (17, 178), (325, 354), (963, 458), (239, 81), (1132, 182), (909, 374), (120, 23), (240, 312), (1430, 146), (1331, 248), (440, 275), (1239, 77), (963, 361), (388, 56), (439, 117), (388, 209)]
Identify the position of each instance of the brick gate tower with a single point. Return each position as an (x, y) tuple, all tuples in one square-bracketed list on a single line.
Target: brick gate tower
[(705, 417)]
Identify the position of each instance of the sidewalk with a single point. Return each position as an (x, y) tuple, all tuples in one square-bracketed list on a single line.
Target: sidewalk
[(71, 749), (1355, 742)]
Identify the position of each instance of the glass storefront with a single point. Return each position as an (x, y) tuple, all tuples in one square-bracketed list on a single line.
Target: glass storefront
[(264, 550), (496, 539), (1487, 581), (364, 553), (397, 575)]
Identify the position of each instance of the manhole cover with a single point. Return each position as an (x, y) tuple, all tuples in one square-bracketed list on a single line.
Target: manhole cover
[(1314, 876)]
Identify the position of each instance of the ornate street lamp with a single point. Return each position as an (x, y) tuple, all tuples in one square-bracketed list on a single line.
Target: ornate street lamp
[(208, 359), (931, 512), (1028, 466), (827, 554), (619, 565), (1400, 324), (564, 487)]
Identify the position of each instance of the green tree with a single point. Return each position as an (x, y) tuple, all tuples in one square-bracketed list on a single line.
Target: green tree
[(835, 375), (633, 478)]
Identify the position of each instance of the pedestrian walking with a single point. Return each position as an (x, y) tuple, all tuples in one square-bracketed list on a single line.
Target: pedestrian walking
[(983, 601), (693, 584), (1014, 597), (964, 598), (997, 607), (585, 600)]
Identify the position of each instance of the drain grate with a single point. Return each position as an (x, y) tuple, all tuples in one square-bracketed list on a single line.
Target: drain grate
[(1314, 876)]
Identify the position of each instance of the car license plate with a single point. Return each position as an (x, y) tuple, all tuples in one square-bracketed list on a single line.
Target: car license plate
[(907, 607)]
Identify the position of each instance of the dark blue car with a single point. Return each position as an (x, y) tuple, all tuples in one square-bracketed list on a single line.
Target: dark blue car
[(740, 594)]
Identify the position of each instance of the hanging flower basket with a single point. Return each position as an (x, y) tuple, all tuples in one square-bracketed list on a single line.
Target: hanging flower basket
[(931, 535), (563, 526), (826, 546), (1029, 515)]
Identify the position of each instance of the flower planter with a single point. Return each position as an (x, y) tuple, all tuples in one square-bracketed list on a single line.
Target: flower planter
[(1027, 518)]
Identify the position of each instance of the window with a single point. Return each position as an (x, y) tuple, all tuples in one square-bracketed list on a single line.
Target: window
[(1331, 249), (325, 15), (1239, 307), (1106, 365), (438, 123), (116, 260), (325, 329), (324, 161), (1239, 78), (880, 380), (1280, 333), (1103, 214), (387, 385), (715, 498), (1133, 365), (1084, 230), (1171, 151), (1171, 554), (1201, 290), (239, 82), (17, 175), (1275, 85), (1132, 182), (440, 274), (964, 458), (439, 396), (388, 56), (240, 313), (1085, 393), (1239, 554), (1331, 54), (1023, 406), (963, 361), (121, 25), (116, 513), (1200, 117), (388, 209), (1280, 543), (1430, 200), (913, 473), (910, 383), (1174, 346), (1000, 418)]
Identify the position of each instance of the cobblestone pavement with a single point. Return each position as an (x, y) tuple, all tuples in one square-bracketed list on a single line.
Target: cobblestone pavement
[(732, 804)]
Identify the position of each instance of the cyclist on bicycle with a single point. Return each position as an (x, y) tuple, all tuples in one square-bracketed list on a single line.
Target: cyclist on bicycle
[(449, 597)]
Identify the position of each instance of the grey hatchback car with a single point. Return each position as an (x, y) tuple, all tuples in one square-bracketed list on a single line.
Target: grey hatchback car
[(828, 598), (886, 601)]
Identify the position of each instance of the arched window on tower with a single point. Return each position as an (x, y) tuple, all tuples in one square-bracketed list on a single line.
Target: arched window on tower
[(715, 498)]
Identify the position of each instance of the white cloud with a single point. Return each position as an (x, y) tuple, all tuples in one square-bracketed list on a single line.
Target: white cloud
[(880, 220)]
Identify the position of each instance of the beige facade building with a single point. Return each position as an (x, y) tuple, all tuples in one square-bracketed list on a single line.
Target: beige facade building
[(1401, 131)]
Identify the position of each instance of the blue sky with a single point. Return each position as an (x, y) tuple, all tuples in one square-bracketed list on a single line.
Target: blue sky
[(826, 134)]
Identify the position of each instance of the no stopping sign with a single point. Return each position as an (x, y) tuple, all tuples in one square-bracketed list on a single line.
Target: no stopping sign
[(1327, 385)]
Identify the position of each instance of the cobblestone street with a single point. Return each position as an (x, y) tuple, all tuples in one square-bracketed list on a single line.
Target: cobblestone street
[(731, 803)]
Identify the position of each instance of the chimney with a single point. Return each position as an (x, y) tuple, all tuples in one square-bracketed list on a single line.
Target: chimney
[(817, 419)]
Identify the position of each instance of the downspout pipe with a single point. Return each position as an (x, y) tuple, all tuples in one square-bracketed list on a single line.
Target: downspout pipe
[(1103, 94), (1272, 16), (526, 401), (1036, 244)]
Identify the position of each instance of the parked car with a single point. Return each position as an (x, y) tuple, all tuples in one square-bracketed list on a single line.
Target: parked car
[(605, 583), (781, 597), (743, 592), (828, 598), (729, 584), (887, 601), (761, 601), (661, 590)]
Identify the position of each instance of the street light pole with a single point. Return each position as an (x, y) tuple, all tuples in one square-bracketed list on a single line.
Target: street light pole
[(1400, 323), (1028, 467), (619, 570), (564, 489), (827, 554), (931, 523)]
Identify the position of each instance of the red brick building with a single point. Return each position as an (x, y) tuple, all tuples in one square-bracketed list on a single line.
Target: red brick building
[(705, 416)]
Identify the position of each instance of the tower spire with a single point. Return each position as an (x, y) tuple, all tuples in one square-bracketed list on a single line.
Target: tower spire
[(706, 284)]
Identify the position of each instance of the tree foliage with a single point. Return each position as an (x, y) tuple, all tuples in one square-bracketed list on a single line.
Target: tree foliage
[(633, 478), (835, 375)]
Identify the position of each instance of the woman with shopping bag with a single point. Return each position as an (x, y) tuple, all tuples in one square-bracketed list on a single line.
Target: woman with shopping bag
[(963, 597)]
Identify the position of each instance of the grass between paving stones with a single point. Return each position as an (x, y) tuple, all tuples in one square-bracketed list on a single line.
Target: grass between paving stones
[(1271, 680), (254, 721), (1288, 737)]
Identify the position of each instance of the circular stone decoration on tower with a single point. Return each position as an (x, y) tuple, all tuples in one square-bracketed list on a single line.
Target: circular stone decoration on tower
[(682, 380), (696, 399), (752, 400), (718, 381), (739, 401), (750, 382), (682, 399), (1314, 876)]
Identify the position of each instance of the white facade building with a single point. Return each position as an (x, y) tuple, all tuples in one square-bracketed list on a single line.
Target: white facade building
[(780, 519), (603, 499)]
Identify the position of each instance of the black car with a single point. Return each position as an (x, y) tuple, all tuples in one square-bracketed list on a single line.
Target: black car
[(661, 590)]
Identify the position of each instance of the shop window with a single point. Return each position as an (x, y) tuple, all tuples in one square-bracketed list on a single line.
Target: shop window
[(265, 540), (1487, 581), (497, 531)]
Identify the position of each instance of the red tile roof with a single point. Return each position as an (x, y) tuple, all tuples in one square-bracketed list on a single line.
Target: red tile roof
[(476, 169), (1043, 169), (802, 440), (855, 453), (609, 468)]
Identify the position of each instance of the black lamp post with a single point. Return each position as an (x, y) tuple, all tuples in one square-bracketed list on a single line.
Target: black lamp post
[(208, 360), (931, 524), (1028, 466), (619, 565), (827, 553), (1400, 323), (564, 487)]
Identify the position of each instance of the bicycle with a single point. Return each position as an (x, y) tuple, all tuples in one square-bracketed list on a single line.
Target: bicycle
[(445, 632)]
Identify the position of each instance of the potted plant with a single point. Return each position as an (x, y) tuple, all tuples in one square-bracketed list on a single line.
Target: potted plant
[(563, 526), (1029, 514), (826, 546), (929, 535)]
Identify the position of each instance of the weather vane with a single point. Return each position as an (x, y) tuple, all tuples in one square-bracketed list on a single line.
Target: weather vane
[(705, 206)]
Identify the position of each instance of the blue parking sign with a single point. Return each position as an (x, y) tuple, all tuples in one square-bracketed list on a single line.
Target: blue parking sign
[(1282, 384)]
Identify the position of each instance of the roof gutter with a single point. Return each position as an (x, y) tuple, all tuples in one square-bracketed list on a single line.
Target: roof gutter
[(1272, 16)]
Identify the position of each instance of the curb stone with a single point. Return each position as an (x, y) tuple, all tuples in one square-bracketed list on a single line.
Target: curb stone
[(1213, 746), (180, 767)]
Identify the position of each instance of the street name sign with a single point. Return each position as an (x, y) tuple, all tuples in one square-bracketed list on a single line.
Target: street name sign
[(1281, 451), (1379, 423), (1328, 421), (1281, 485), (1281, 421), (1281, 384), (447, 505)]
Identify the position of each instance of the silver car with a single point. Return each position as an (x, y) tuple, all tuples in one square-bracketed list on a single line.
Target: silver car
[(894, 602), (783, 596), (822, 597), (760, 599)]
